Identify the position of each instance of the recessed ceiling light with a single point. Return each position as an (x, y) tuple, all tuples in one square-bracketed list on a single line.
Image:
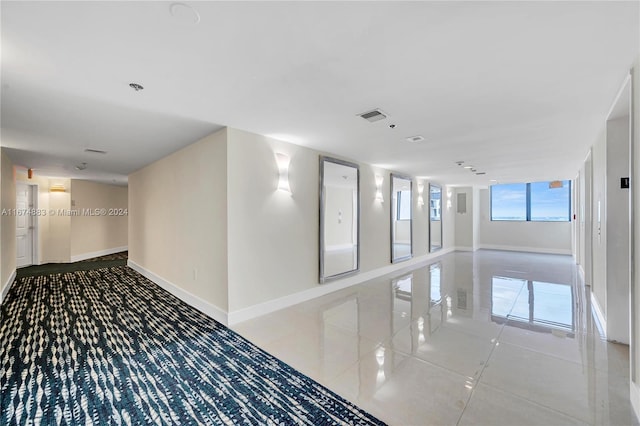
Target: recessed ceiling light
[(184, 13), (468, 167), (417, 138), (135, 86), (459, 163)]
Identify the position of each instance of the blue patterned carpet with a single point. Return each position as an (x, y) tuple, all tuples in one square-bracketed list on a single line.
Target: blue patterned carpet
[(108, 346)]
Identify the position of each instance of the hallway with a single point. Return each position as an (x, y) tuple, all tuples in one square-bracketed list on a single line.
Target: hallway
[(485, 338)]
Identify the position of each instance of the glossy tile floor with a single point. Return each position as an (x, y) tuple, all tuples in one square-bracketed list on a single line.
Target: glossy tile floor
[(485, 338)]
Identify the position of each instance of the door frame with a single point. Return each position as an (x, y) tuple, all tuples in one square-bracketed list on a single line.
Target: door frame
[(35, 219)]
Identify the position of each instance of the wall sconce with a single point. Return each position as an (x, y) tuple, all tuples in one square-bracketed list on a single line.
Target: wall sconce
[(57, 188), (420, 199), (379, 180), (283, 170), (30, 173)]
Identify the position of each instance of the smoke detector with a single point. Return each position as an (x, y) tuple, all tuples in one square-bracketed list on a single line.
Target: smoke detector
[(374, 115)]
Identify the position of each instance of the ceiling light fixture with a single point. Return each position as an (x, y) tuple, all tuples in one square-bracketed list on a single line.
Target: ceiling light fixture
[(417, 138), (468, 167), (95, 151), (81, 166), (135, 86)]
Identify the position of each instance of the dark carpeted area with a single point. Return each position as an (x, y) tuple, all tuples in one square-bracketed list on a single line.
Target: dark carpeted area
[(108, 346)]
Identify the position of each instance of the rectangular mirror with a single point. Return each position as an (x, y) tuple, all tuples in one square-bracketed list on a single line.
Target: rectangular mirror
[(435, 217), (401, 223), (339, 218)]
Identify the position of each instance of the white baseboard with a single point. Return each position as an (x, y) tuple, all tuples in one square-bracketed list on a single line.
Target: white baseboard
[(189, 298), (526, 249), (602, 320), (634, 394), (7, 286), (264, 308), (459, 248), (84, 256)]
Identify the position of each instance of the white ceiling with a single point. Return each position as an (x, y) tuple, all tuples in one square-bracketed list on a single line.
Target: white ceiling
[(518, 89)]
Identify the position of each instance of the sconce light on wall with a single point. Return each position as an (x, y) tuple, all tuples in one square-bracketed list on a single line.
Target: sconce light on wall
[(420, 199), (30, 173), (379, 180), (57, 188), (283, 170)]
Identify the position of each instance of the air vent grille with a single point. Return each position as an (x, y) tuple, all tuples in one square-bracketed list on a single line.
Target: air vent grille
[(417, 138), (372, 116), (95, 151)]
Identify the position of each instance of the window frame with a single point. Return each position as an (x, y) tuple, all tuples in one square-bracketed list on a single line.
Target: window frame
[(528, 206)]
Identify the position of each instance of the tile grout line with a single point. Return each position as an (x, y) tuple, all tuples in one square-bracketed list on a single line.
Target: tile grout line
[(493, 348)]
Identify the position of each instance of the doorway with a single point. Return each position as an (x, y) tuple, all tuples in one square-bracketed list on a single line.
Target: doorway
[(26, 224)]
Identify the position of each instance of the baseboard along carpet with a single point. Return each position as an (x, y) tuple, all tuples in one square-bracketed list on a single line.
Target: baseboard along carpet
[(108, 346)]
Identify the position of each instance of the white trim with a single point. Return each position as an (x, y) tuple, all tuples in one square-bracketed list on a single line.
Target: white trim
[(458, 248), (322, 289), (626, 81), (526, 249), (85, 256), (634, 394), (602, 320), (189, 298), (7, 285), (581, 273), (341, 247)]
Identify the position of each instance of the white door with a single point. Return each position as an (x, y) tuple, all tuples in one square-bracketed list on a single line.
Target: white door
[(24, 225)]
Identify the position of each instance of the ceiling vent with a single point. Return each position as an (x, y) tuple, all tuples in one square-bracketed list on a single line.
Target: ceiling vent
[(417, 138), (481, 173), (95, 151), (372, 116)]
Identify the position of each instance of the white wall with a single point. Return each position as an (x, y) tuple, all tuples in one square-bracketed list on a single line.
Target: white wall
[(8, 222), (178, 219), (98, 234), (273, 235), (464, 221), (258, 245), (635, 245), (543, 237), (617, 274), (58, 239), (599, 221)]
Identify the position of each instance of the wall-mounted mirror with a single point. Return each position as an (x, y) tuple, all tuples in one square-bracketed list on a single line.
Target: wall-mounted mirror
[(435, 218), (401, 223), (339, 218)]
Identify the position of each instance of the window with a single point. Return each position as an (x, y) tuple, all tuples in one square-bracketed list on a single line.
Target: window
[(509, 202), (538, 201)]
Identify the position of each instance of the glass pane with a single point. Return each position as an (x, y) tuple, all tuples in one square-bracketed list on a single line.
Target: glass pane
[(509, 202), (550, 204)]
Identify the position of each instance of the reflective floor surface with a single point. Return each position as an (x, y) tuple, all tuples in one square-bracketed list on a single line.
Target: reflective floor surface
[(484, 338)]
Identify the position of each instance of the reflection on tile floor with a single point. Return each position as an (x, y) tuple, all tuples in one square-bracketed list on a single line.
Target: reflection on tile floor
[(484, 338)]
